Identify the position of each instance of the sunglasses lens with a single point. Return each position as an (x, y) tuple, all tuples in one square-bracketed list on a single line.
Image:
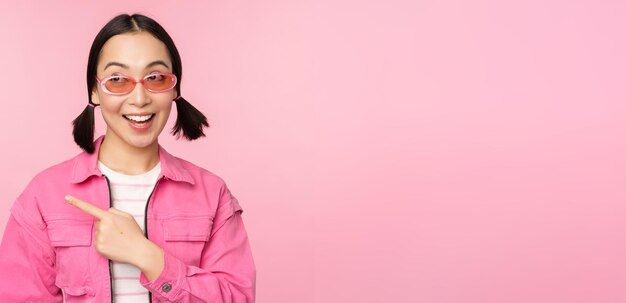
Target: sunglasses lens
[(159, 82), (119, 84)]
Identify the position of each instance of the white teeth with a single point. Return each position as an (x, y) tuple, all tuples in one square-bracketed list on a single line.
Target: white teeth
[(138, 118)]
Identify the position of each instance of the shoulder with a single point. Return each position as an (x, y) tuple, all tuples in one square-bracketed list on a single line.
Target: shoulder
[(26, 207), (212, 186), (59, 172), (200, 174)]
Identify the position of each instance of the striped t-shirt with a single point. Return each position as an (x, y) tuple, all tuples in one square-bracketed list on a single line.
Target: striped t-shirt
[(130, 194)]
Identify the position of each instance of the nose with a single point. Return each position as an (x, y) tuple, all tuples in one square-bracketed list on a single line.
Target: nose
[(139, 96)]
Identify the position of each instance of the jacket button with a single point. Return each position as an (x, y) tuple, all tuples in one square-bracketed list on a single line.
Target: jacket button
[(166, 287)]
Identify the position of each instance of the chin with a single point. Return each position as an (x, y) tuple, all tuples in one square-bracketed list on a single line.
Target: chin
[(142, 141)]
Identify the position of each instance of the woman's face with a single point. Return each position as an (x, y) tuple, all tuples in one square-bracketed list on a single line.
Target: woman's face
[(134, 55)]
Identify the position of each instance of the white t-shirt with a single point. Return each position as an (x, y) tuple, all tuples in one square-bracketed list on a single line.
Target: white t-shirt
[(130, 194)]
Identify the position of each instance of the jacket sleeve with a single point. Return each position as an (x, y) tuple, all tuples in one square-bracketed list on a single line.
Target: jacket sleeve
[(227, 272), (27, 270)]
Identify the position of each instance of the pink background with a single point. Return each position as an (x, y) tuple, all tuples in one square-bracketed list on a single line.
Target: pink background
[(383, 151)]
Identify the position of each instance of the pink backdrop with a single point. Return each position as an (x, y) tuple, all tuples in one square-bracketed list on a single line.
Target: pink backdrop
[(383, 151)]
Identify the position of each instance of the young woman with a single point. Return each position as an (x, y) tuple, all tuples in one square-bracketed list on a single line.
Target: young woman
[(124, 220)]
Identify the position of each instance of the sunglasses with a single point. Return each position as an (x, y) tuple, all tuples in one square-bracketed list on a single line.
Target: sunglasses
[(122, 85)]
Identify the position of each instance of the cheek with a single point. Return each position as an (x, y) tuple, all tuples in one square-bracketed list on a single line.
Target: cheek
[(166, 108), (109, 118), (165, 117), (110, 109)]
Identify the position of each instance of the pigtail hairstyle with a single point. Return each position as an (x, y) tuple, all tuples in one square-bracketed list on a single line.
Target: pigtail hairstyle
[(190, 121), (84, 128)]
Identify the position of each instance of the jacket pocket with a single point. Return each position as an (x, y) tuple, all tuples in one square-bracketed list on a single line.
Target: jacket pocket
[(71, 240), (186, 236), (78, 294)]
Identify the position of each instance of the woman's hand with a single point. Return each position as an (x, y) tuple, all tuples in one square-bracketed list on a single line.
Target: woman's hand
[(119, 238)]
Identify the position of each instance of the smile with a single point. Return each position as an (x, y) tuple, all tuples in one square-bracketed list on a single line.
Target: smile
[(140, 123), (139, 119)]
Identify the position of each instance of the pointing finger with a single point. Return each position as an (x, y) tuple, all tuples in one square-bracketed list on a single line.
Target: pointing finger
[(86, 207)]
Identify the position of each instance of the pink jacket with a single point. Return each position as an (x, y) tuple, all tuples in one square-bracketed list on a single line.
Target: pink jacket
[(48, 255)]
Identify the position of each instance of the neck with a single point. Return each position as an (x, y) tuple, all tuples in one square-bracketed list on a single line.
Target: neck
[(126, 159)]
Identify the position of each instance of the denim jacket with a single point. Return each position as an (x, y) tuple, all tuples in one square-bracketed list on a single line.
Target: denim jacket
[(47, 252)]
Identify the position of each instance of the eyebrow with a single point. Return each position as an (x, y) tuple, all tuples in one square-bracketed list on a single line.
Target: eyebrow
[(153, 63)]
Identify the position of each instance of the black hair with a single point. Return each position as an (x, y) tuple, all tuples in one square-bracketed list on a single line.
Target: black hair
[(190, 121)]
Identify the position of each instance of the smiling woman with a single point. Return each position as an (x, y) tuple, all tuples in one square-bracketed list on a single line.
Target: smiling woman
[(129, 48), (124, 220), (123, 58)]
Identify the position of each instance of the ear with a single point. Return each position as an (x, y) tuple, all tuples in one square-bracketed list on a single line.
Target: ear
[(94, 97)]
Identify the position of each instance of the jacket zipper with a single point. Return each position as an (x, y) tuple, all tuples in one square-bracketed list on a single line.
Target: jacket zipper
[(145, 223), (110, 271)]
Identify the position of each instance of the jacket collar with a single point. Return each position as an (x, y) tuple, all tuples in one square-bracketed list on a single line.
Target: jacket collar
[(86, 165)]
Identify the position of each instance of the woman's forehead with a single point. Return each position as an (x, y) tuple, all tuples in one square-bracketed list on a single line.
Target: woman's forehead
[(134, 51)]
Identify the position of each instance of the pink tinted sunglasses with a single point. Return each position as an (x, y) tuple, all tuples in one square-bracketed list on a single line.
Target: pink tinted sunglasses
[(122, 85)]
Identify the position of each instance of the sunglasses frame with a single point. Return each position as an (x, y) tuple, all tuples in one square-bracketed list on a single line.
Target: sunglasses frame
[(134, 82)]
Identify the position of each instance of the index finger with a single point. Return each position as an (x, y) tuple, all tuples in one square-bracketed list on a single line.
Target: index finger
[(85, 206)]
